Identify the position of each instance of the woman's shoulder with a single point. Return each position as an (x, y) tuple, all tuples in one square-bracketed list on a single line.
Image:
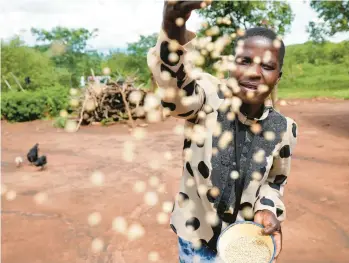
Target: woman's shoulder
[(274, 114), (290, 130), (282, 124)]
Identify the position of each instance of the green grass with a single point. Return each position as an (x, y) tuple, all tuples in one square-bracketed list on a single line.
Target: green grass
[(309, 81), (298, 94)]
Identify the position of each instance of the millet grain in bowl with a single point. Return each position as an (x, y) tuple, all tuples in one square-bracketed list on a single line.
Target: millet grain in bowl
[(247, 249)]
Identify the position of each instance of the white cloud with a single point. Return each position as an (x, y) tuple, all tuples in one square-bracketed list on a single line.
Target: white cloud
[(42, 6), (118, 21)]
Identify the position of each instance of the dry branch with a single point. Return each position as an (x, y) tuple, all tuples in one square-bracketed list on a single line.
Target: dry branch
[(110, 103)]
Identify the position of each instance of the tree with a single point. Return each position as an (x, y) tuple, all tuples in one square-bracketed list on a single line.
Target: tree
[(246, 14), (333, 16), (20, 61), (138, 54), (134, 60), (317, 32), (75, 40), (68, 49), (119, 63), (142, 46)]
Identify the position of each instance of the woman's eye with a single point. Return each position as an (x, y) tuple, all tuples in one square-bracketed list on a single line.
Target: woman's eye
[(268, 67), (243, 61)]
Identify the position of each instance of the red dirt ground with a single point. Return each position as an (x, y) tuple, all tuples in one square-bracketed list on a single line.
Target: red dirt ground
[(317, 196)]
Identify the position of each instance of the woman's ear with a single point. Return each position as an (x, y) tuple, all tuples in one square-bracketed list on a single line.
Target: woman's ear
[(280, 75)]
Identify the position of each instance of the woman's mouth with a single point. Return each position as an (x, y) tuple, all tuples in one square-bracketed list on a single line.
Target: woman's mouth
[(249, 86)]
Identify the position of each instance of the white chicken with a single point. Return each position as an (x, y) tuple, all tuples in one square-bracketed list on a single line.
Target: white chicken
[(18, 161)]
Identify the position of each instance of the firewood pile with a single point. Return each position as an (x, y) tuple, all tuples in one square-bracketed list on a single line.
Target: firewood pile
[(113, 101)]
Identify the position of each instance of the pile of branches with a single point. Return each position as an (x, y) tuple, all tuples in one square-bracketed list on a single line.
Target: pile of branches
[(110, 102)]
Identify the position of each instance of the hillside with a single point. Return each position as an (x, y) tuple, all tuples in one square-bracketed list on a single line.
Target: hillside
[(316, 70)]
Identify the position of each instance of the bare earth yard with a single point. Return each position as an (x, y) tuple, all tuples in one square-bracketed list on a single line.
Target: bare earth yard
[(316, 196)]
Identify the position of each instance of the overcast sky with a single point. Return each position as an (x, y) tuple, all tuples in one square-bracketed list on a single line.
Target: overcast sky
[(118, 21)]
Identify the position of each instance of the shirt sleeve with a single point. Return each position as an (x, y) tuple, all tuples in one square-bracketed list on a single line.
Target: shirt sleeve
[(170, 71), (272, 190)]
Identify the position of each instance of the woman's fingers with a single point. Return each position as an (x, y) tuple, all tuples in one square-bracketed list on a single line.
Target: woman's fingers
[(270, 229), (278, 243)]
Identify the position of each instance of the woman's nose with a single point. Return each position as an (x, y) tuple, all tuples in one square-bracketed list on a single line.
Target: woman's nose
[(254, 71)]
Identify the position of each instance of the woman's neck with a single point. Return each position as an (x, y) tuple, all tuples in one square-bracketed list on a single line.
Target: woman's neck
[(252, 110)]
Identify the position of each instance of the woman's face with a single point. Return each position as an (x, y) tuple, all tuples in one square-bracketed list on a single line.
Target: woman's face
[(257, 69)]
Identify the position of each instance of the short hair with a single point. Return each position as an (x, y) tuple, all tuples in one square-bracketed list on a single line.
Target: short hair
[(266, 33)]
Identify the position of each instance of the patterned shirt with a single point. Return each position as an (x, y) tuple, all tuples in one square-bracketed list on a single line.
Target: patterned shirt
[(206, 200)]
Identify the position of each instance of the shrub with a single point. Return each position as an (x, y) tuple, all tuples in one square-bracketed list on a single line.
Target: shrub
[(31, 105), (24, 61), (60, 122)]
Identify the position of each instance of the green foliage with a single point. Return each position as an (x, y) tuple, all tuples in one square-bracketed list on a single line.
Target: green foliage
[(67, 49), (142, 46), (107, 121), (60, 122), (22, 62), (134, 61), (315, 70), (317, 32), (324, 54), (334, 17), (246, 14), (26, 106), (120, 63), (61, 57), (318, 81), (84, 63), (75, 40)]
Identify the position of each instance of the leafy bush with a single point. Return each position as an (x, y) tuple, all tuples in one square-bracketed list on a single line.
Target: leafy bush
[(31, 105), (60, 122), (23, 61), (107, 121)]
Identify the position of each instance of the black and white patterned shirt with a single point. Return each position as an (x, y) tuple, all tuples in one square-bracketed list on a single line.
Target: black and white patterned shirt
[(206, 199)]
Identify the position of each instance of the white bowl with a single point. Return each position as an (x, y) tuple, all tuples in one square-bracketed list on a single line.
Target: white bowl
[(243, 229)]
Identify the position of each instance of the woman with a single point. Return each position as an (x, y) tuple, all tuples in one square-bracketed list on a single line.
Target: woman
[(237, 159)]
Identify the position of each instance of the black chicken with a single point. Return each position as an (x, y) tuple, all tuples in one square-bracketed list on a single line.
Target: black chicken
[(41, 162), (32, 155)]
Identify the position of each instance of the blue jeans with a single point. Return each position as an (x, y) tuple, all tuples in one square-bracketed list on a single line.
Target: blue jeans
[(188, 254)]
